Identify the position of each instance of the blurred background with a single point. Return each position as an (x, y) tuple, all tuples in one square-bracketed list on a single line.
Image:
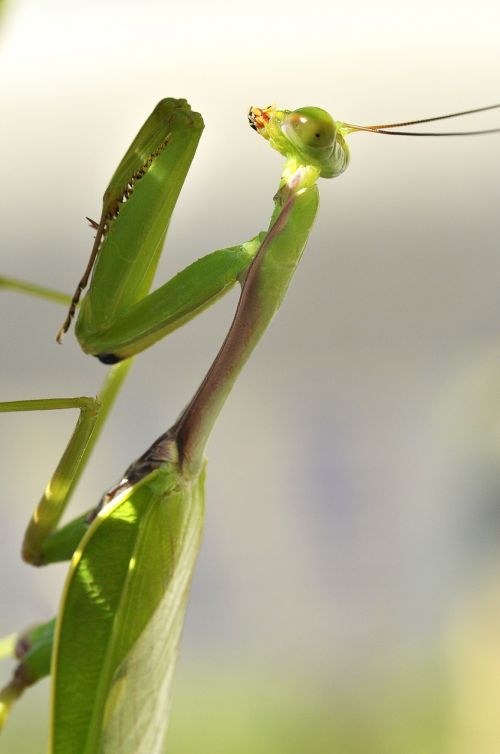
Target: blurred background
[(347, 596)]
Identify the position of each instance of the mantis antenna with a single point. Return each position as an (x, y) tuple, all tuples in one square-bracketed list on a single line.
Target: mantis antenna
[(384, 128)]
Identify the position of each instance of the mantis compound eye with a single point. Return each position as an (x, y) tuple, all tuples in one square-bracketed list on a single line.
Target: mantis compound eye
[(312, 132)]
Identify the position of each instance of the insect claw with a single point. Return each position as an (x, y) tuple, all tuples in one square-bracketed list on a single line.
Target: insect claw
[(92, 223)]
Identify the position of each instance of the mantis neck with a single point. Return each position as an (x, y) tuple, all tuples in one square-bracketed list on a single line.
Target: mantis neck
[(263, 290)]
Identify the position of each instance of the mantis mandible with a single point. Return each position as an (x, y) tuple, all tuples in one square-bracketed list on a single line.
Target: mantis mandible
[(112, 649)]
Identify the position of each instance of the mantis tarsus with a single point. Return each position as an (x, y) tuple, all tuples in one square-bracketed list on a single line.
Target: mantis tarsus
[(114, 644)]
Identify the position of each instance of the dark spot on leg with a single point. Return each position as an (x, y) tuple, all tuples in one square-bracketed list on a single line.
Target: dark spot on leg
[(109, 358)]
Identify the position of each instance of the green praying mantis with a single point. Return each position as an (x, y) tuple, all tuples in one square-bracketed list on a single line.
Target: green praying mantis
[(111, 651)]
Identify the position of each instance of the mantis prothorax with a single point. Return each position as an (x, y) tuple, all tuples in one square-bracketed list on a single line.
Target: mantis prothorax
[(116, 637)]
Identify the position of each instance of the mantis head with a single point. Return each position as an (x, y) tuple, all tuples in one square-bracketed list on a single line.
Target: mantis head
[(306, 137), (313, 142)]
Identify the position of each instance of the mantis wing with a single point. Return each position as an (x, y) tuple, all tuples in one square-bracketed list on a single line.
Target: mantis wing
[(121, 618)]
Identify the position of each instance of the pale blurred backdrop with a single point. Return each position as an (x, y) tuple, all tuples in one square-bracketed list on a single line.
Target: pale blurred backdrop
[(347, 596)]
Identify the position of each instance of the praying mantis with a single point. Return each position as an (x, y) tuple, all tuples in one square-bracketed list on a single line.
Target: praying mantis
[(111, 651)]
